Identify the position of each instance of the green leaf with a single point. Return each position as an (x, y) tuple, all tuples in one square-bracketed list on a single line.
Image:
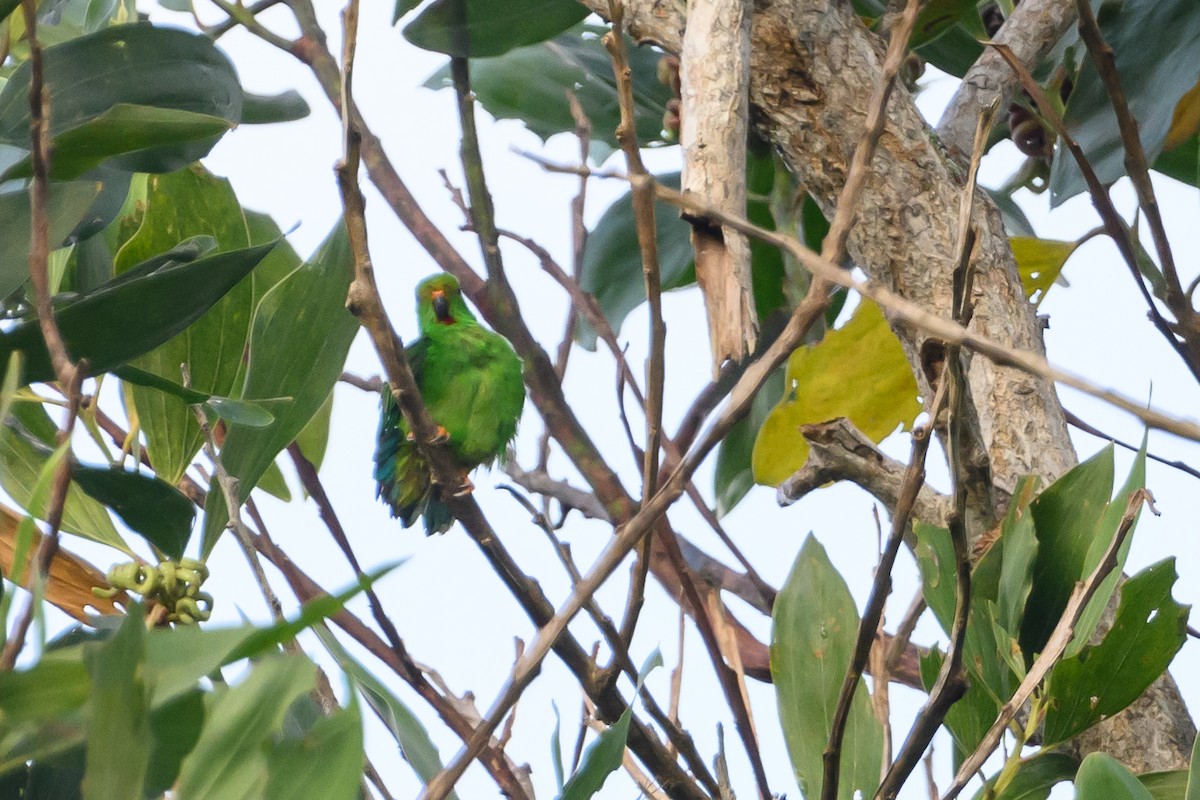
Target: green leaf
[(227, 408), (147, 504), (23, 458), (1067, 516), (415, 745), (230, 758), (734, 476), (315, 437), (1149, 629), (135, 65), (327, 762), (298, 344), (174, 729), (49, 690), (1102, 777), (258, 109), (126, 318), (954, 52), (604, 756), (481, 28), (937, 17), (135, 138), (1019, 542), (1094, 610), (1181, 163), (858, 371), (1154, 79), (1034, 779), (1166, 785), (612, 262), (814, 627), (118, 741), (402, 8), (1015, 221), (66, 206), (187, 203), (530, 84), (314, 611), (1193, 782)]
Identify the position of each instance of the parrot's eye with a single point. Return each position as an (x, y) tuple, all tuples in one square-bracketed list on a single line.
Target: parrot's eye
[(441, 307)]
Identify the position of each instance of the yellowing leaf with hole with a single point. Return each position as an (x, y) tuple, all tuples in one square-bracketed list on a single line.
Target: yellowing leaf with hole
[(1185, 121), (71, 579), (857, 371), (1040, 262)]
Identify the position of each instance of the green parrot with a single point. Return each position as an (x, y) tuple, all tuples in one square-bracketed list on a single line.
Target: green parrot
[(470, 379)]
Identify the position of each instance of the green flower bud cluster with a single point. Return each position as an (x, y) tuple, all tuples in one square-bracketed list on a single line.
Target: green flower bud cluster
[(175, 585)]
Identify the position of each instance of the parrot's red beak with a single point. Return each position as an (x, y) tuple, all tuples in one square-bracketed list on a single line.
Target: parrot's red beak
[(441, 307)]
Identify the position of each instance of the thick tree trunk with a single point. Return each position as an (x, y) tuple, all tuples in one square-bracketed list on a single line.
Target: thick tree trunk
[(813, 69)]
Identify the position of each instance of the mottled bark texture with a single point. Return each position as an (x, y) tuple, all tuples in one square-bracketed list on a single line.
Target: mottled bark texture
[(813, 68), (715, 79)]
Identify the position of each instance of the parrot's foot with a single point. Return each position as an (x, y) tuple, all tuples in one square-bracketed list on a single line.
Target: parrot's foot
[(465, 488), (441, 437)]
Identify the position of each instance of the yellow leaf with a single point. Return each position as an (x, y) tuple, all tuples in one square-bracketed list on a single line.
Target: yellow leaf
[(1185, 122), (858, 371), (71, 579), (1040, 261)]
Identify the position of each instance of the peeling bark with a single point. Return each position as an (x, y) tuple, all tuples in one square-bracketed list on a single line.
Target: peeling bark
[(715, 77)]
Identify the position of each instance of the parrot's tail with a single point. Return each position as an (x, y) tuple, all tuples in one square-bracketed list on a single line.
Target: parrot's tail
[(402, 476)]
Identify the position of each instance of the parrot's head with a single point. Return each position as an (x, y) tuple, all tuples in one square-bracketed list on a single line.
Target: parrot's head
[(440, 302)]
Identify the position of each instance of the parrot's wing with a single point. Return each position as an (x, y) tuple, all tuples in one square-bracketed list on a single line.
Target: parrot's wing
[(401, 475)]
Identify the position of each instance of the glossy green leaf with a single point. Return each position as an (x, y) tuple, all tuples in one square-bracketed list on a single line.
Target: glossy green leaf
[(858, 371), (1149, 629), (298, 345), (7, 7), (147, 504), (258, 109), (1019, 542), (1067, 515), (814, 627), (273, 483), (126, 318), (482, 28), (1015, 221), (66, 206), (1034, 779), (141, 138), (230, 758), (176, 659), (327, 762), (1102, 777), (24, 457), (118, 741), (417, 748), (530, 84), (227, 408), (733, 476), (612, 262), (137, 65), (968, 719), (1155, 74), (603, 757), (190, 202)]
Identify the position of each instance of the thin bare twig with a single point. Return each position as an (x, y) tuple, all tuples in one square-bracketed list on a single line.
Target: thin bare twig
[(69, 374)]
